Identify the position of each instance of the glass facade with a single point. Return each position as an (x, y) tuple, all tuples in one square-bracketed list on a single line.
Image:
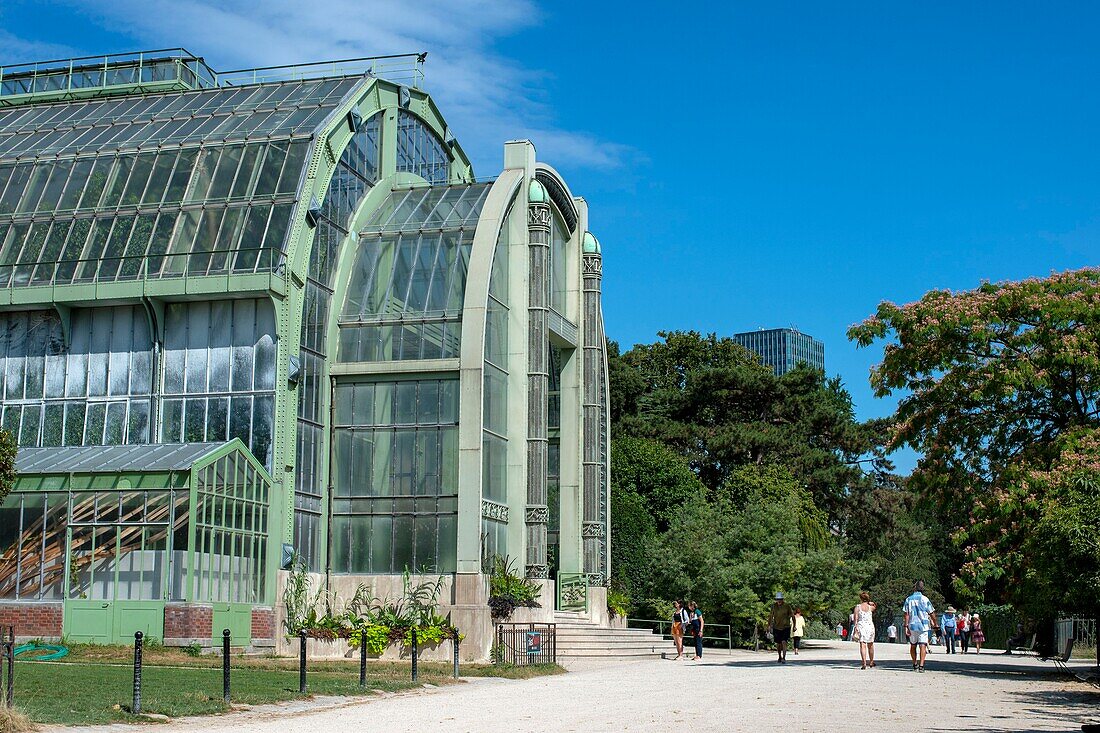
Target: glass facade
[(355, 174), (191, 183), (218, 367), (125, 222), (132, 536), (420, 151), (219, 374), (783, 349), (230, 530), (409, 279), (494, 443), (98, 391), (32, 538), (395, 476)]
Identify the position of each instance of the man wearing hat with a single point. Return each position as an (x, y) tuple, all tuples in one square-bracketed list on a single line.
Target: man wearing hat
[(779, 625), (949, 623)]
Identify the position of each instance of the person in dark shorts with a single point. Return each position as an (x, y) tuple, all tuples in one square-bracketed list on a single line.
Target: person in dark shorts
[(696, 617), (779, 621)]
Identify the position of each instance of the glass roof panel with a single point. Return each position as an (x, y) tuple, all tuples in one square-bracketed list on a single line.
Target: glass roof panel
[(407, 287), (112, 459), (216, 183), (429, 207), (144, 121)]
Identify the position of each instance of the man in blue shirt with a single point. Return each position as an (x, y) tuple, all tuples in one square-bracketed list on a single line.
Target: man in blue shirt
[(920, 616), (949, 623)]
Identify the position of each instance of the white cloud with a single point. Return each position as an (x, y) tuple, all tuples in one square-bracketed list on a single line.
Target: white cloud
[(17, 50), (486, 97)]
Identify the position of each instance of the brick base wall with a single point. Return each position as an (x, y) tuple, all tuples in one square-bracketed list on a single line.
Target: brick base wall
[(33, 620), (187, 623), (263, 626)]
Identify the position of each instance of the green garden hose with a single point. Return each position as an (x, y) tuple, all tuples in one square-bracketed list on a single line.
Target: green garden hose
[(56, 651)]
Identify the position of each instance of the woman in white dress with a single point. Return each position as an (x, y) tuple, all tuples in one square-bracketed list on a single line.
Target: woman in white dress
[(865, 629)]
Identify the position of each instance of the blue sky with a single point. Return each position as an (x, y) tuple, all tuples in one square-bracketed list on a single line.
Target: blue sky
[(747, 165)]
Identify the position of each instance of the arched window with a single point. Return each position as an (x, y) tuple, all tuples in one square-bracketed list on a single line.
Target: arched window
[(419, 151)]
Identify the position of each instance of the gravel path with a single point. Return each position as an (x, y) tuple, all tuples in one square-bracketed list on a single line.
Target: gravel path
[(823, 689)]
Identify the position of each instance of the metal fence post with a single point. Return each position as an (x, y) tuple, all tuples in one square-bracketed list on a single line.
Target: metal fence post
[(362, 658), (302, 661), (9, 692), (455, 643), (135, 708), (414, 669), (225, 666)]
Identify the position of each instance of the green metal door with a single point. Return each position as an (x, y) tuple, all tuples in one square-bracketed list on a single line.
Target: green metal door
[(89, 622), (237, 617), (144, 616), (94, 576)]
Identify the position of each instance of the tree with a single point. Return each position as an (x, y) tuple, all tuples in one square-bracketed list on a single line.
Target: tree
[(896, 539), (1001, 390), (658, 475), (625, 385), (711, 400), (732, 553), (632, 530), (8, 451)]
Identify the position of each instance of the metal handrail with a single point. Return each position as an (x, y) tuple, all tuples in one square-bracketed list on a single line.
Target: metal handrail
[(31, 72), (394, 67), (728, 638)]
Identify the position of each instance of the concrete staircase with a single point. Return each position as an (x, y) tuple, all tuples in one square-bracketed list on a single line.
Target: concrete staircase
[(578, 638)]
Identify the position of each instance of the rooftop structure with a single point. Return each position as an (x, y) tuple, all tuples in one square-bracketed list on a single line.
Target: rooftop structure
[(783, 348), (298, 262)]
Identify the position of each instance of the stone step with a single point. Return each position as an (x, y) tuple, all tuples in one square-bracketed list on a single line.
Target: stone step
[(574, 633), (609, 648), (607, 654)]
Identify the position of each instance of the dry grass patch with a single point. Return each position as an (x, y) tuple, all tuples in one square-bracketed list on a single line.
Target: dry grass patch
[(14, 721)]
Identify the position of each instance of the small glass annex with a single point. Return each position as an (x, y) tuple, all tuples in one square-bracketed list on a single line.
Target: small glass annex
[(294, 266)]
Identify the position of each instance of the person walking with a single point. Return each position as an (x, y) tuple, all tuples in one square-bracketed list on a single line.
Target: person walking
[(962, 627), (779, 623), (696, 619), (977, 635), (948, 623), (680, 622), (798, 630), (919, 618), (865, 629), (892, 633)]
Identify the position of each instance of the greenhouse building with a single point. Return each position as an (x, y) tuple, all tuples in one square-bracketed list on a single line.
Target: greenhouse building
[(256, 315)]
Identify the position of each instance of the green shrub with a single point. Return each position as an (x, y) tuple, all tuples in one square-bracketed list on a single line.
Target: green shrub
[(508, 590), (618, 603)]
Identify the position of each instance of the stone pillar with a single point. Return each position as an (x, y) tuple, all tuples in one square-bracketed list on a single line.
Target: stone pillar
[(594, 529), (538, 377)]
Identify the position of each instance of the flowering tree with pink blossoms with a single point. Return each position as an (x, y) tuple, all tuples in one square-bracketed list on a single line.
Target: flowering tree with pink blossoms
[(1000, 394)]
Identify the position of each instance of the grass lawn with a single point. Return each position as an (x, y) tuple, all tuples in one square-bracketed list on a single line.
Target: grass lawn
[(94, 684)]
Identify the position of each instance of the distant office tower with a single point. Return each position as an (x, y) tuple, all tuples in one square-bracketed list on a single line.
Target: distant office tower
[(783, 348)]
